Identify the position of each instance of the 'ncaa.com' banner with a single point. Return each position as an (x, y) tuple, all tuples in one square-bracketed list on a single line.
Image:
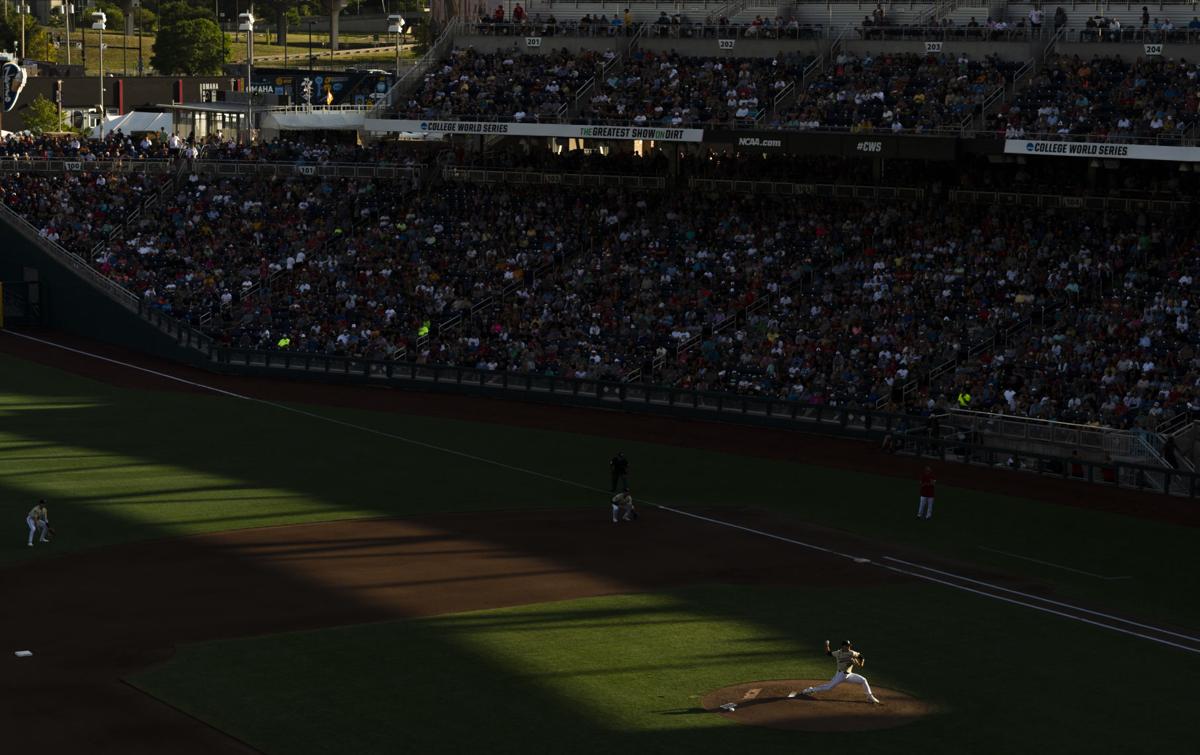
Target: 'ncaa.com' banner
[(1101, 150)]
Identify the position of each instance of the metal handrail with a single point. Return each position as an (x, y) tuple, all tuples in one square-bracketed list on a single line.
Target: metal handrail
[(98, 280), (434, 54)]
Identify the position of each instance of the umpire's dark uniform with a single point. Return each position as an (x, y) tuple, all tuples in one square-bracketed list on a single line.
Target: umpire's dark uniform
[(619, 469)]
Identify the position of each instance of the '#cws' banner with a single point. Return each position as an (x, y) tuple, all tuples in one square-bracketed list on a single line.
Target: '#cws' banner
[(13, 81)]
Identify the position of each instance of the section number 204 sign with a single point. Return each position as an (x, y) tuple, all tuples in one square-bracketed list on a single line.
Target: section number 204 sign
[(1154, 50)]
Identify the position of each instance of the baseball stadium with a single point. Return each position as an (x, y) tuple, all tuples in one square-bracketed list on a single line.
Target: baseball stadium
[(591, 377)]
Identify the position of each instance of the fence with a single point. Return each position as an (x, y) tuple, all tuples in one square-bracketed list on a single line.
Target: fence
[(761, 411), (62, 165), (484, 175), (323, 170), (1099, 440)]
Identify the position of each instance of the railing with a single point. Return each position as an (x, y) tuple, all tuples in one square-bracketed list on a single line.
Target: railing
[(1060, 201), (432, 56), (934, 33), (183, 334), (82, 267), (755, 410), (1101, 440), (65, 164), (321, 170), (834, 191), (1131, 34), (488, 175)]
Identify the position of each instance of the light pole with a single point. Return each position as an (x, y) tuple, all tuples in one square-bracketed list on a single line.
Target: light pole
[(22, 8), (246, 24), (396, 26), (98, 23), (312, 63), (67, 8), (137, 9)]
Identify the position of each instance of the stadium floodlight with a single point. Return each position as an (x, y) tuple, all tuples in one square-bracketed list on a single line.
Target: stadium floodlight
[(100, 23), (246, 24), (396, 26)]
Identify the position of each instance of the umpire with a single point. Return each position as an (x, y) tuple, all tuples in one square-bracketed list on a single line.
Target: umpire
[(618, 468)]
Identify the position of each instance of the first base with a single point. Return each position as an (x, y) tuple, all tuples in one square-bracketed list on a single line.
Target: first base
[(24, 653)]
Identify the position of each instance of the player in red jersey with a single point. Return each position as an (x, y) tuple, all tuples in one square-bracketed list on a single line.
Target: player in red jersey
[(925, 507)]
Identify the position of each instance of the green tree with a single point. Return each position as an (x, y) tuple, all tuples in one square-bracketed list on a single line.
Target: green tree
[(42, 115), (37, 40), (189, 42), (176, 11)]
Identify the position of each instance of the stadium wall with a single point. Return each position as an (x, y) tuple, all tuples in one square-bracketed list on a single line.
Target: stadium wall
[(750, 48), (489, 44)]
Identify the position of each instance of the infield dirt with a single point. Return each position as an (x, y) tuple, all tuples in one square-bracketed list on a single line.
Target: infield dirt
[(843, 708)]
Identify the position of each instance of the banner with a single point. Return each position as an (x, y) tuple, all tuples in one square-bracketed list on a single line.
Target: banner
[(13, 81), (883, 145), (566, 130), (1102, 150)]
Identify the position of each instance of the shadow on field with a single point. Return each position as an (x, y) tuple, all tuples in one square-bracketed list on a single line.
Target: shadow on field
[(99, 614)]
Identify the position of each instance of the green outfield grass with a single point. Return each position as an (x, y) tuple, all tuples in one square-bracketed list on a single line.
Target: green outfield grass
[(119, 465), (602, 675), (626, 674)]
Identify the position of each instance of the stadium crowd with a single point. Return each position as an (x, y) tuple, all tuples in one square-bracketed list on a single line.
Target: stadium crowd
[(1105, 98), (669, 89), (115, 146), (812, 300), (898, 92), (507, 85)]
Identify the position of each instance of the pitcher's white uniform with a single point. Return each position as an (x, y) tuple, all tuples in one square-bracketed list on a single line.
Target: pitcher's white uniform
[(38, 518), (846, 659), (623, 502)]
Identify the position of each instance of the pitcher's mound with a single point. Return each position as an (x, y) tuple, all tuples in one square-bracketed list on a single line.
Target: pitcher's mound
[(842, 709)]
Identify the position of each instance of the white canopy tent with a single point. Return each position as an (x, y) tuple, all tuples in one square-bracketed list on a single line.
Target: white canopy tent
[(136, 122)]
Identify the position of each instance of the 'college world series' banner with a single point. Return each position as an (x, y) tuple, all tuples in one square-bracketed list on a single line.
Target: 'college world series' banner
[(502, 128), (1101, 150), (13, 81)]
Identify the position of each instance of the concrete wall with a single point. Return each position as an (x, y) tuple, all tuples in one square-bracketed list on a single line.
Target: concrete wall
[(743, 48), (974, 49), (748, 48), (489, 43), (1127, 50)]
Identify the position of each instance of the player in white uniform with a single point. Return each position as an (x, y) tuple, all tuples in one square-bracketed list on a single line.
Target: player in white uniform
[(38, 518), (847, 658), (623, 502)]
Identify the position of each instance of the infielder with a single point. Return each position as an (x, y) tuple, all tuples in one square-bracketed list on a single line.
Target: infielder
[(847, 658), (623, 502), (618, 468), (38, 518), (925, 506)]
